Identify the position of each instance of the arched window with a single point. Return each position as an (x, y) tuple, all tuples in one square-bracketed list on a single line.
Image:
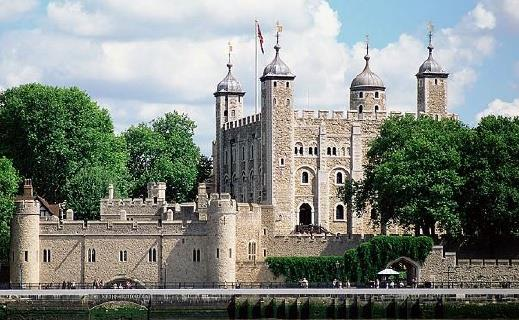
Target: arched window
[(334, 151), (361, 108), (339, 212), (329, 151), (304, 177), (376, 94), (46, 255), (315, 150), (376, 108), (252, 251), (288, 102), (91, 255), (196, 255), (282, 161), (298, 149), (123, 256), (301, 151), (339, 178), (275, 84), (310, 151), (152, 255), (288, 84), (225, 113), (361, 94), (435, 81)]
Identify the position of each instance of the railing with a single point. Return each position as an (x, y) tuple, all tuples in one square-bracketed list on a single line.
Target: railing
[(266, 285)]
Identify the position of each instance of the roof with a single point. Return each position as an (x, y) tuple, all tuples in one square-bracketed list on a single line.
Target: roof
[(229, 84), (277, 68), (367, 79)]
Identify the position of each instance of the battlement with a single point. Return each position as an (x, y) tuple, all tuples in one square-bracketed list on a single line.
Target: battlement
[(24, 205), (219, 201), (132, 202), (242, 122)]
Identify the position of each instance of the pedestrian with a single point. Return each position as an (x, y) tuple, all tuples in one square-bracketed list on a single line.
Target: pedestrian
[(377, 283), (334, 283), (304, 283)]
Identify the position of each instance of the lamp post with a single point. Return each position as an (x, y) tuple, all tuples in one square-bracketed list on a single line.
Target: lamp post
[(337, 265)]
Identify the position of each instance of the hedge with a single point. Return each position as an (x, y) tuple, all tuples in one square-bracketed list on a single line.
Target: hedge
[(359, 264), (314, 269)]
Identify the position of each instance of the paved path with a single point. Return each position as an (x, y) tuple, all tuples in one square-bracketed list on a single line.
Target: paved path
[(272, 292)]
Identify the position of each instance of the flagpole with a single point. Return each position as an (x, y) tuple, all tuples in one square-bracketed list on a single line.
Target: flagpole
[(255, 66)]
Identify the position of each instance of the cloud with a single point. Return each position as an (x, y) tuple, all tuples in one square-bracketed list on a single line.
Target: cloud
[(481, 17), (71, 17), (502, 108), (12, 9)]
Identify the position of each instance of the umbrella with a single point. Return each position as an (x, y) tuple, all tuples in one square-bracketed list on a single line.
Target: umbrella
[(388, 272)]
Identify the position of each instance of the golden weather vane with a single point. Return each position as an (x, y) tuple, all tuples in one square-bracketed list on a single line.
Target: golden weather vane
[(279, 29)]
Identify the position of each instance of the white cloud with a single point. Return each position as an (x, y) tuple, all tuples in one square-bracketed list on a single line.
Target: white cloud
[(502, 108), (12, 9), (71, 17), (481, 17)]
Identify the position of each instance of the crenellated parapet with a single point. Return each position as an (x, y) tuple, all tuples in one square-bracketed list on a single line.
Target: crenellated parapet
[(242, 122)]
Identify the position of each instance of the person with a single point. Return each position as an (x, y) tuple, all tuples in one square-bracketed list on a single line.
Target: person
[(413, 283), (392, 284), (304, 283), (348, 284), (334, 283), (377, 283), (339, 284)]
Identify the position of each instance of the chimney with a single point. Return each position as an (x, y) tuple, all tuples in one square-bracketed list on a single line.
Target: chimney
[(27, 189)]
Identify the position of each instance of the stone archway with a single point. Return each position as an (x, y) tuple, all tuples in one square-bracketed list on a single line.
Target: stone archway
[(305, 214), (411, 268), (124, 282)]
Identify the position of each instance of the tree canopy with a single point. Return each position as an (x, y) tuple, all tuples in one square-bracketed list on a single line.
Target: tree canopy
[(163, 150), (64, 142), (412, 175), (490, 197), (9, 180)]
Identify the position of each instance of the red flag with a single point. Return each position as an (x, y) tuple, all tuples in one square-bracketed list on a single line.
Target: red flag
[(260, 37)]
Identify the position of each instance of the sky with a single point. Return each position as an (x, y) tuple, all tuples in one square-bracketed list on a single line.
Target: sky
[(142, 58)]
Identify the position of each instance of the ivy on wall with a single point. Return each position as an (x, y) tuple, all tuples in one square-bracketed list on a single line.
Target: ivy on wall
[(359, 264)]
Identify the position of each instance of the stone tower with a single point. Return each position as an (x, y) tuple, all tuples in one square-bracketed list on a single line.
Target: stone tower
[(221, 238), (277, 116), (367, 91), (229, 107), (25, 239), (432, 86)]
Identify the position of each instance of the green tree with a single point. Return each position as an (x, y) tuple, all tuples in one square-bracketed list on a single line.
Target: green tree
[(413, 173), (61, 139), (490, 197), (163, 150), (9, 180)]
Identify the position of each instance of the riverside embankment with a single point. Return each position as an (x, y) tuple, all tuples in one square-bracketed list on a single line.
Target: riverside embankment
[(259, 303)]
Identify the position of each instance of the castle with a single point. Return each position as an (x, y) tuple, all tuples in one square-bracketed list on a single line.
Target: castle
[(275, 183)]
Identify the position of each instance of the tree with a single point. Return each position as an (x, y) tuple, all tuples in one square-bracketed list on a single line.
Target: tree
[(204, 171), (61, 139), (412, 176), (490, 197), (163, 150), (9, 180)]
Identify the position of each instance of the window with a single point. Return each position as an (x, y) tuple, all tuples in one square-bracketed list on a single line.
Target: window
[(435, 81), (301, 150), (288, 102), (264, 231), (46, 255), (275, 84), (264, 252), (339, 212), (251, 156), (217, 253), (243, 153), (374, 213), (310, 150), (376, 108), (230, 253), (298, 149), (329, 151), (233, 113), (361, 94), (334, 151), (225, 113), (339, 178), (304, 177), (123, 256), (252, 251), (361, 108), (288, 84), (376, 94), (91, 257), (152, 255), (26, 256), (282, 161), (196, 255), (315, 150)]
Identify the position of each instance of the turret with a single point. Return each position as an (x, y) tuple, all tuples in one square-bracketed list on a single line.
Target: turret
[(277, 117), (431, 85), (367, 91), (229, 107), (25, 239), (221, 238)]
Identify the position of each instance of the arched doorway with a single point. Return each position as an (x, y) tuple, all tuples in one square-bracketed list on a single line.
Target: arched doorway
[(409, 266), (305, 214), (124, 282)]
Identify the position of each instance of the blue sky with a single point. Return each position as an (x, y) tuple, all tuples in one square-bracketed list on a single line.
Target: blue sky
[(142, 58)]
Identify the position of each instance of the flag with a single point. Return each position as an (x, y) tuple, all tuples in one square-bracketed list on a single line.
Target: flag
[(260, 37)]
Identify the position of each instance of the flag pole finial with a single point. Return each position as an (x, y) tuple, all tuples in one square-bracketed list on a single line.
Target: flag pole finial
[(430, 29), (279, 29), (229, 50), (367, 45)]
